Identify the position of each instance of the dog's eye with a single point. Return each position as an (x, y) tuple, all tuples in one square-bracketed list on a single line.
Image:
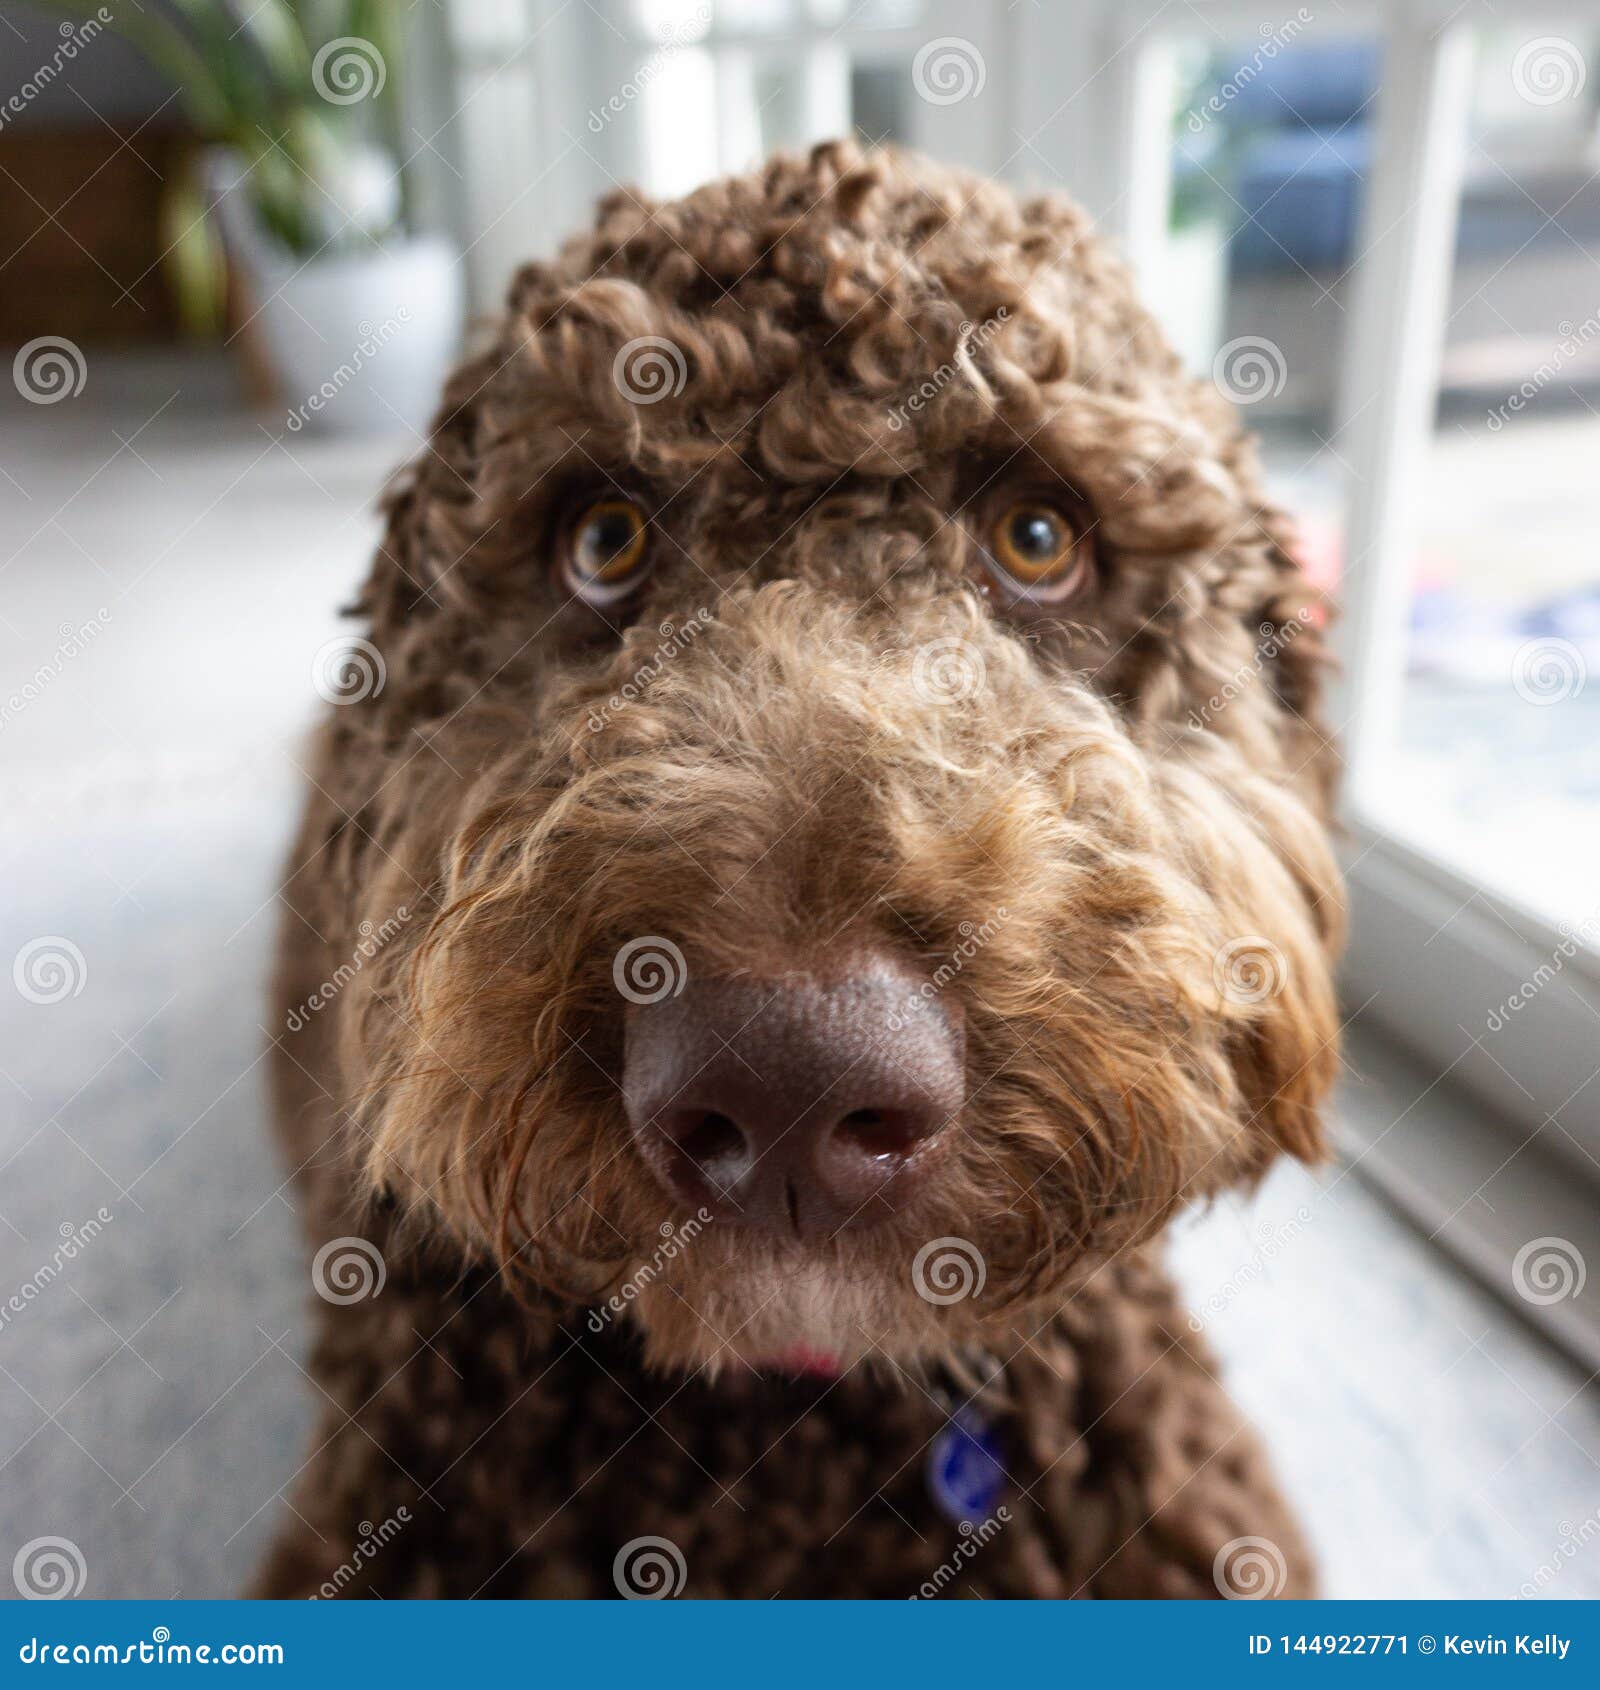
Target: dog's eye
[(607, 551), (1039, 551)]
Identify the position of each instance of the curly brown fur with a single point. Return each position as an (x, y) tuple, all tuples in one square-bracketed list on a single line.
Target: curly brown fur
[(1137, 784)]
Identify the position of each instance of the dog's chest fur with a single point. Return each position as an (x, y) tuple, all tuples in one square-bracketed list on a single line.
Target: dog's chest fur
[(524, 1454)]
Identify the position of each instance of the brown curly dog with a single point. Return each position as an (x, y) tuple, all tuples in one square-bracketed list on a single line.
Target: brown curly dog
[(826, 858)]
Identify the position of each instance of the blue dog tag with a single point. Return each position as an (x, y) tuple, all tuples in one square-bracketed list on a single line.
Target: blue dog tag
[(966, 1476)]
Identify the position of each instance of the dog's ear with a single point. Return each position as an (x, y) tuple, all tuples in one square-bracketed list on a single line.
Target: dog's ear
[(1272, 926), (1291, 620), (1282, 919), (1286, 611), (1287, 1060), (429, 508)]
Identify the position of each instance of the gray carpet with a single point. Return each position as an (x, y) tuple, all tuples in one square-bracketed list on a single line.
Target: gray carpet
[(146, 1410)]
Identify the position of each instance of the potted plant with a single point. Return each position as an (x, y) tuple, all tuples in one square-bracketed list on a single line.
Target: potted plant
[(293, 219)]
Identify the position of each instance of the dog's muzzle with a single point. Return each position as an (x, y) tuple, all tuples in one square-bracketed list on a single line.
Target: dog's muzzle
[(805, 1105)]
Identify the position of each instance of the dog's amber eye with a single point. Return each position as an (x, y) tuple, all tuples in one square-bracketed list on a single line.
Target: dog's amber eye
[(1039, 550), (607, 548)]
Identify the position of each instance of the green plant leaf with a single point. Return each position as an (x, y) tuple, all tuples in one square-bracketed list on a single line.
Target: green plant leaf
[(243, 71), (281, 43), (196, 263)]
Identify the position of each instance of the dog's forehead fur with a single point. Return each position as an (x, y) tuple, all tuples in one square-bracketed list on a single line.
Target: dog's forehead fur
[(809, 299), (848, 316)]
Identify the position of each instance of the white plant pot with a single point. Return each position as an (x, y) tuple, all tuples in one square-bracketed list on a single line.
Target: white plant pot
[(359, 341), (363, 343)]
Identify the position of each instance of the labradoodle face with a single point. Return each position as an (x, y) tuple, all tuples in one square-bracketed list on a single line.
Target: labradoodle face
[(854, 718)]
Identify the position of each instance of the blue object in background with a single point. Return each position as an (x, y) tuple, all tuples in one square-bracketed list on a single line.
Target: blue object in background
[(1300, 196), (1293, 146)]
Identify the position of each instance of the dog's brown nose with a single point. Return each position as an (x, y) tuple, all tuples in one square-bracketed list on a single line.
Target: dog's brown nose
[(804, 1105)]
